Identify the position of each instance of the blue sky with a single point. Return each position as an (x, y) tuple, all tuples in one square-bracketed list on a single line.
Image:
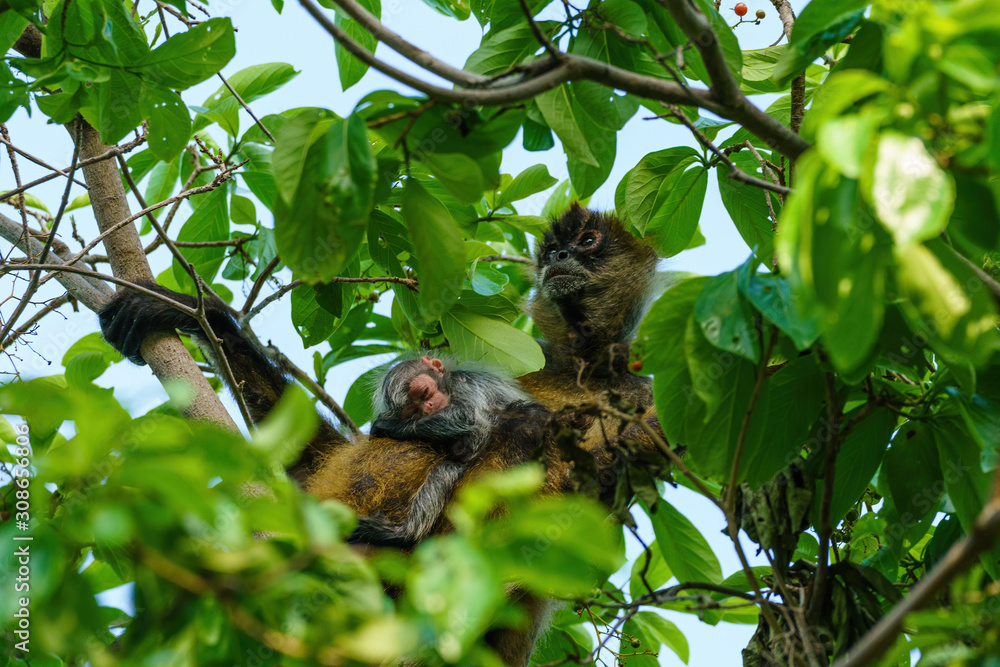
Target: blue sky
[(293, 37)]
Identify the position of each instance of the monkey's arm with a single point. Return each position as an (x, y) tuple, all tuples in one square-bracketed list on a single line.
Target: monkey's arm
[(451, 425), (131, 316), (425, 508)]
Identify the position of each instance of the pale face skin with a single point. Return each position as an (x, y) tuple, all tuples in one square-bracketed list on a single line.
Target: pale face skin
[(424, 391)]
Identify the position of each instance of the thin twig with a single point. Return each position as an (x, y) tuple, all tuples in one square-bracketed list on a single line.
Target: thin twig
[(51, 306), (317, 391), (247, 107), (107, 155), (735, 172), (40, 162), (745, 426), (258, 284)]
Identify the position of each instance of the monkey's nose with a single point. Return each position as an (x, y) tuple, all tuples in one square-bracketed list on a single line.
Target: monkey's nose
[(562, 255)]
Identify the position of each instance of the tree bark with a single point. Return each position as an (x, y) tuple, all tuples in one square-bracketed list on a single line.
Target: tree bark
[(166, 355)]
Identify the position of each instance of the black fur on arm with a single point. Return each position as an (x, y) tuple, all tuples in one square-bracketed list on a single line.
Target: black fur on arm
[(131, 316), (425, 508), (448, 430)]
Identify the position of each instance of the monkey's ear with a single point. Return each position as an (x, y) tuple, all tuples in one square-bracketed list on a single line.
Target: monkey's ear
[(434, 364)]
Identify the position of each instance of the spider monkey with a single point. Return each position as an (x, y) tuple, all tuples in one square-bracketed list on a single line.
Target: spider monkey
[(456, 412), (594, 281)]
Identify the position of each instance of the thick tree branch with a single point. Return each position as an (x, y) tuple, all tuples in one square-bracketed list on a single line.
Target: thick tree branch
[(960, 557), (410, 51), (572, 67), (166, 355), (91, 293)]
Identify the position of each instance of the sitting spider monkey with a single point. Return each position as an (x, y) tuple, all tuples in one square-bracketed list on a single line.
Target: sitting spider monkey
[(457, 412), (594, 282)]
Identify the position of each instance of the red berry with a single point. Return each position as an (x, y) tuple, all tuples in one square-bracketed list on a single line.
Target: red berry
[(636, 365), (740, 9)]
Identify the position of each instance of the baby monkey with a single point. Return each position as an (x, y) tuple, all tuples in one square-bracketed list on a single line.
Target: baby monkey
[(459, 413)]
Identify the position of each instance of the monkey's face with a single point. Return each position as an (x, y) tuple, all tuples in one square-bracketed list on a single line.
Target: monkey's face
[(427, 391), (571, 252)]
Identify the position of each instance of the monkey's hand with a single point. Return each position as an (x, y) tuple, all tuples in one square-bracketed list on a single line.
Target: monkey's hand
[(131, 316), (378, 531)]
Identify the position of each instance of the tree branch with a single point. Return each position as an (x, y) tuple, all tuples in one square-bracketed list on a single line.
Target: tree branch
[(576, 68), (960, 557), (166, 355), (410, 51)]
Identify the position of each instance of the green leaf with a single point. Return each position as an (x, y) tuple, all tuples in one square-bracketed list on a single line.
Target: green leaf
[(250, 84), (968, 487), (209, 222), (662, 201), (492, 342), (656, 572), (684, 549), (502, 49), (654, 631), (529, 182), (660, 345), (820, 26), (725, 318), (191, 56), (324, 225), (162, 180), (911, 194), (349, 67), (913, 471), (946, 302), (313, 322), (437, 243), (748, 208), (562, 114), (857, 461), (358, 401), (840, 92), (771, 295), (293, 146), (458, 173), (169, 122), (457, 9)]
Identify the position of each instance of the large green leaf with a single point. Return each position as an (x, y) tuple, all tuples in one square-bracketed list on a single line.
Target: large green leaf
[(169, 121), (859, 457), (911, 194), (563, 115), (821, 25), (946, 301), (209, 222), (191, 56), (324, 224), (684, 549), (748, 208), (437, 243), (529, 182), (662, 202), (348, 66), (653, 631), (660, 346), (495, 343), (913, 471), (250, 84), (726, 319)]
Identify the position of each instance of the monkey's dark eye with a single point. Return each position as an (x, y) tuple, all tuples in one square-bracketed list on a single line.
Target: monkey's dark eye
[(550, 255), (589, 239)]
